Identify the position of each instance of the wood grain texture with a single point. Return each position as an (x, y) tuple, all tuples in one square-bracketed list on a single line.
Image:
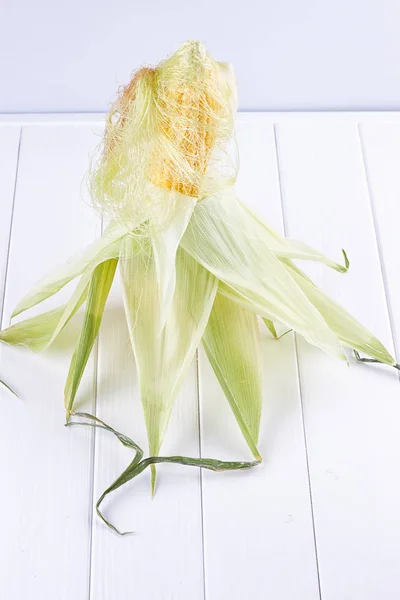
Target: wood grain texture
[(9, 151), (319, 519), (381, 153)]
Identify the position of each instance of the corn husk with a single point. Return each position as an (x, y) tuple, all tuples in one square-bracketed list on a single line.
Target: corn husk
[(100, 284), (163, 349), (271, 327), (75, 266), (232, 344), (226, 244), (347, 329), (196, 263), (39, 332), (284, 247)]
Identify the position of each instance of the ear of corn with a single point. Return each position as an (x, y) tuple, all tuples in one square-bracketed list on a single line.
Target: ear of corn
[(99, 288), (164, 177), (232, 344), (167, 131)]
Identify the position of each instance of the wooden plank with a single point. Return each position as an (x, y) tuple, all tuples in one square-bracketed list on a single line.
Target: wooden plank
[(381, 150), (45, 467), (163, 560), (9, 147), (351, 414), (258, 525)]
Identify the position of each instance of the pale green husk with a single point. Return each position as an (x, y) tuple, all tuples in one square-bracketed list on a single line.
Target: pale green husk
[(99, 288), (163, 349), (231, 247), (232, 345), (76, 265)]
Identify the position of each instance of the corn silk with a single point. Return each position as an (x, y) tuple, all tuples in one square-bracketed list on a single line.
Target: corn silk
[(196, 264)]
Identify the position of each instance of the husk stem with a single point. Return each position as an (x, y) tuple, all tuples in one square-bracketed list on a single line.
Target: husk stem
[(4, 384), (374, 361), (139, 464)]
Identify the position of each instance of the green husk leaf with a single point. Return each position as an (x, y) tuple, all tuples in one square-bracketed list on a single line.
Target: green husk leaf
[(271, 327), (76, 265), (232, 344), (39, 332), (248, 302), (348, 330), (109, 253), (100, 284), (287, 248), (163, 352), (231, 247), (165, 244)]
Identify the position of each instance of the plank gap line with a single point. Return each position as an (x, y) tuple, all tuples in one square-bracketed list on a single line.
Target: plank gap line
[(299, 386), (10, 230), (93, 453), (378, 242), (197, 380)]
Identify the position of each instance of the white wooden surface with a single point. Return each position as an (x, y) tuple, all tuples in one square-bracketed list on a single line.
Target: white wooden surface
[(320, 518)]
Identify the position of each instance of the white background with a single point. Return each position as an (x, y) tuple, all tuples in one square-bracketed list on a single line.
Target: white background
[(288, 54)]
